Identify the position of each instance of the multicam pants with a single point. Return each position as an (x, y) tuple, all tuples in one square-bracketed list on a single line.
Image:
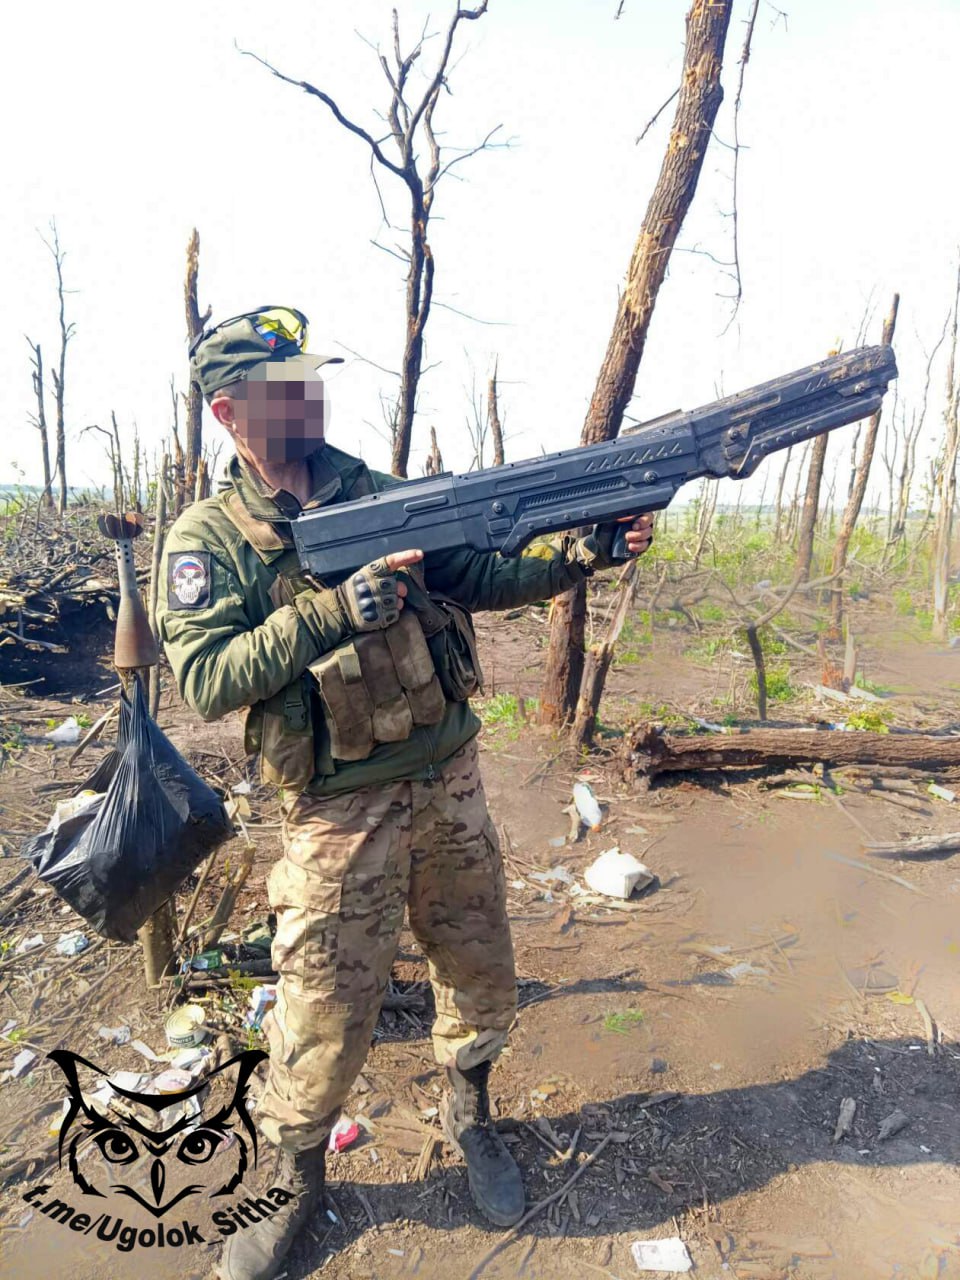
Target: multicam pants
[(351, 864)]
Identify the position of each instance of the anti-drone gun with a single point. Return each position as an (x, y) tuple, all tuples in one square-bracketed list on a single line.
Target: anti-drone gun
[(503, 508)]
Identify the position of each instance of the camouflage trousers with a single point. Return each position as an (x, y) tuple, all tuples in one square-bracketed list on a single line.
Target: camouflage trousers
[(351, 864)]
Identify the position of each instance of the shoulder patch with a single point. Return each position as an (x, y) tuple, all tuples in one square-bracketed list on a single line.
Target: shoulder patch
[(188, 579)]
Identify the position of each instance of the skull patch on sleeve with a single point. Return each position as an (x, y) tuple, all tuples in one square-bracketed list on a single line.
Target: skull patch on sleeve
[(188, 579)]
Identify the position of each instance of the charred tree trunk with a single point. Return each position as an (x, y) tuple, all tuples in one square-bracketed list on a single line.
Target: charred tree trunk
[(39, 420), (651, 752), (59, 374), (858, 486), (493, 418), (434, 463), (811, 500), (777, 527), (195, 323), (946, 490), (699, 100)]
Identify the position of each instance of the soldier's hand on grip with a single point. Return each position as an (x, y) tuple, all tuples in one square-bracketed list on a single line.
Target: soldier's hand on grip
[(372, 597)]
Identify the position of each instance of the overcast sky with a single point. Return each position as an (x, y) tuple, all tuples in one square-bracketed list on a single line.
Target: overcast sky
[(132, 124)]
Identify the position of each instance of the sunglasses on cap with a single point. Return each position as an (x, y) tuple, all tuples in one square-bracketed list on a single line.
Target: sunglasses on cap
[(277, 326)]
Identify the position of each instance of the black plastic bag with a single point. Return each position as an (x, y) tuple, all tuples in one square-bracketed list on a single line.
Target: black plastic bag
[(154, 821)]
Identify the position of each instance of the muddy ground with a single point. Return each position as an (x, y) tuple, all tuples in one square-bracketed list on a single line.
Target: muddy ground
[(700, 1044)]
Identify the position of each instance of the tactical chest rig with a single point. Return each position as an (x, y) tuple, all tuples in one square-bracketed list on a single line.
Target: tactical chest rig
[(373, 688)]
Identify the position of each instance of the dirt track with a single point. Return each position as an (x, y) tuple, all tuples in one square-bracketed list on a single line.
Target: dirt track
[(716, 1094)]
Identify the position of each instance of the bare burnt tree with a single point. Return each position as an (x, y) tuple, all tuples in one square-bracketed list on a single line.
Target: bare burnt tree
[(858, 487), (38, 420), (409, 122), (811, 502), (945, 486), (778, 517), (909, 435), (59, 373), (194, 399), (434, 462), (494, 425), (698, 102)]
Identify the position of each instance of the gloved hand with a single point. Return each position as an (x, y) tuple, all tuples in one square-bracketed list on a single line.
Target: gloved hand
[(372, 597), (595, 551)]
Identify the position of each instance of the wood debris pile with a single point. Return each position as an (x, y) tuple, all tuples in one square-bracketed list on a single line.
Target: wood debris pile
[(57, 579)]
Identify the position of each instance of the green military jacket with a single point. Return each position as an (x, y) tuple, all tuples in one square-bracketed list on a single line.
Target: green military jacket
[(233, 643)]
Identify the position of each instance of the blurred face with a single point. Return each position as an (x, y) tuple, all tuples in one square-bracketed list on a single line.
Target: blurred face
[(277, 419)]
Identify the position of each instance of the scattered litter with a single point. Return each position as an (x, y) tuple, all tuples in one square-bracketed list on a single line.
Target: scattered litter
[(7, 1027), (56, 1124), (518, 884), (241, 788), (28, 943), (238, 807), (125, 1082), (262, 998), (559, 875), (206, 960), (545, 1090), (661, 1255), (617, 874), (190, 1060), (942, 793), (587, 806), (65, 734), (894, 1122), (22, 1063), (114, 1035), (343, 1134), (173, 1080), (746, 970), (145, 1051), (397, 1253), (185, 1027), (848, 1109), (71, 944)]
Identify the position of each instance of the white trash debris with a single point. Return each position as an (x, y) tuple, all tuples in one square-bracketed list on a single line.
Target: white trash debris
[(65, 734), (617, 875), (587, 806), (942, 793), (30, 943), (22, 1063), (661, 1255), (555, 875), (115, 1035), (71, 944)]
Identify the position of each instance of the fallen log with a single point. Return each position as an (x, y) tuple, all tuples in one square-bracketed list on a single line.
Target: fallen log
[(649, 752), (937, 846)]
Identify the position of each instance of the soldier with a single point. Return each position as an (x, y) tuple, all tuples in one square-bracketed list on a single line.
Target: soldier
[(357, 696)]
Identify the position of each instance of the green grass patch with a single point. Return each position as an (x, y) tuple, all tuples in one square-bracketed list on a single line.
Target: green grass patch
[(873, 719), (779, 688), (620, 1024)]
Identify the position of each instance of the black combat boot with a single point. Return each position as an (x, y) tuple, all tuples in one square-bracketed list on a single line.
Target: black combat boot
[(257, 1253), (492, 1172)]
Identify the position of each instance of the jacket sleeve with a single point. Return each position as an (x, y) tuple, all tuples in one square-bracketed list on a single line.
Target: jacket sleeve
[(221, 660), (485, 580)]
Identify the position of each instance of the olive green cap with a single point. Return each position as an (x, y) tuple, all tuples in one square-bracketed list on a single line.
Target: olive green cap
[(228, 352)]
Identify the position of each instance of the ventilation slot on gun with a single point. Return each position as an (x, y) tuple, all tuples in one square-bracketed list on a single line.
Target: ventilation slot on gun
[(572, 493)]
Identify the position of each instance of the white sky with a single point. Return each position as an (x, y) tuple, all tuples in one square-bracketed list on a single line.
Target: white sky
[(134, 123)]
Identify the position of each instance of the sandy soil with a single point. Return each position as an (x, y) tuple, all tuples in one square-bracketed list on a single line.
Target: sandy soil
[(711, 1097)]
